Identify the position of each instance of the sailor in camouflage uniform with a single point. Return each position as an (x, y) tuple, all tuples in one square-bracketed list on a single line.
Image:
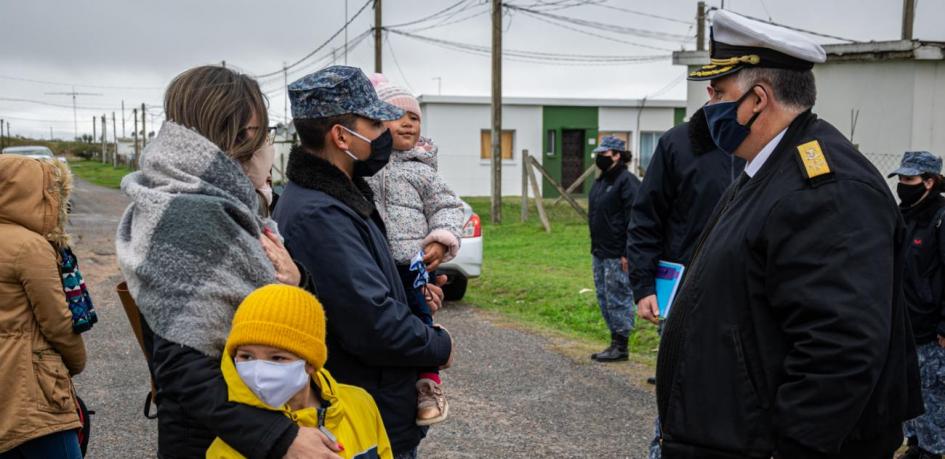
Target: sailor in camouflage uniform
[(923, 209)]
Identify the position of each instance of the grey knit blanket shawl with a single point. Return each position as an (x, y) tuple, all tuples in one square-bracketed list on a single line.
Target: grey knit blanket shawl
[(188, 245)]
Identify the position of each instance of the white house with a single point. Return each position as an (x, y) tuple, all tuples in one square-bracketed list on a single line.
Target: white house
[(887, 97), (561, 132)]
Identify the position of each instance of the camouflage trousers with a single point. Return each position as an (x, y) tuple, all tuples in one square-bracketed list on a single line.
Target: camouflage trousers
[(614, 295), (929, 428)]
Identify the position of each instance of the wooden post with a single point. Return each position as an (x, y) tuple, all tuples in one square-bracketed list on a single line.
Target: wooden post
[(378, 54), (577, 207), (536, 190), (524, 186), (700, 26), (908, 18), (496, 211), (134, 135), (576, 184), (144, 127)]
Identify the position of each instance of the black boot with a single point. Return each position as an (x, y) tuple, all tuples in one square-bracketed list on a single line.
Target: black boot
[(617, 353), (613, 344)]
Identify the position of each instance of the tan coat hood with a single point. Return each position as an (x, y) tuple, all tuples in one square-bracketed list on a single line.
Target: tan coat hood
[(34, 194)]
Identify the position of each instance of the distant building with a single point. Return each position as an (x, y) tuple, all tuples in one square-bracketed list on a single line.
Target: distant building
[(887, 97), (561, 133)]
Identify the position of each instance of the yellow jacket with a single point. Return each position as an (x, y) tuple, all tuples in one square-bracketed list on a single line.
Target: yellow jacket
[(351, 416)]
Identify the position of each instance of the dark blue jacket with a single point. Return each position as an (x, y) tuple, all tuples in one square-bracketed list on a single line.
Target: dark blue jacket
[(608, 211), (332, 228), (924, 282), (679, 191)]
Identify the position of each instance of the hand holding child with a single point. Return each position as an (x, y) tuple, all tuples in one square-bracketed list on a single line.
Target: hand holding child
[(286, 270), (310, 443)]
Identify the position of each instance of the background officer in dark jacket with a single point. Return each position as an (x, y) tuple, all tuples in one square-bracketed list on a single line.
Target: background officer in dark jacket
[(682, 185), (608, 214), (923, 209), (330, 224), (789, 337)]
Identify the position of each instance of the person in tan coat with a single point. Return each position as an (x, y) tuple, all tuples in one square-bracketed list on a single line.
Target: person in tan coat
[(39, 351)]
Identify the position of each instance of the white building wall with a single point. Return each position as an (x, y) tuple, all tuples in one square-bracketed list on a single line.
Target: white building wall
[(901, 106), (624, 119), (456, 129)]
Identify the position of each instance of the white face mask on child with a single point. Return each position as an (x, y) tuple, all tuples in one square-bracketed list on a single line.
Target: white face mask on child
[(274, 383)]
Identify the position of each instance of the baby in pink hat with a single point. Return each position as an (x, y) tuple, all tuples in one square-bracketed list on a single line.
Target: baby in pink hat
[(424, 220)]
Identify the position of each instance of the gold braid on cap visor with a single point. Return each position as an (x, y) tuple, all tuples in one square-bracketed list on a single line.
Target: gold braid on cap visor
[(752, 59)]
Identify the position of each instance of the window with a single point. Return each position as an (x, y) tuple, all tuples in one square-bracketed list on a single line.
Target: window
[(551, 143), (648, 142), (485, 150)]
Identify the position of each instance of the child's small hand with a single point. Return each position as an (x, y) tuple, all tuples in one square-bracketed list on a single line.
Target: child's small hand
[(433, 255)]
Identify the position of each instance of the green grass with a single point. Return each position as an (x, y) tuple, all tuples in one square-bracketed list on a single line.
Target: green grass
[(98, 173), (545, 279)]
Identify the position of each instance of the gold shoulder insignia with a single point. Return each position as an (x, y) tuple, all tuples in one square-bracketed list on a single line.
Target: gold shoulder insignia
[(813, 159)]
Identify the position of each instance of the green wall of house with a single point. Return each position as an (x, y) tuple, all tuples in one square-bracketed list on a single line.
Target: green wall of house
[(558, 119)]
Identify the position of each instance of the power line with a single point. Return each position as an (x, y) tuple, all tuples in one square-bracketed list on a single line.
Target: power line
[(537, 56), (642, 13), (796, 29), (643, 33), (397, 64), (593, 34), (432, 16), (55, 83), (319, 48)]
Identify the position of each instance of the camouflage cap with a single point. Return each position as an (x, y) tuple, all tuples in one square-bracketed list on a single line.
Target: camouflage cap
[(917, 163), (338, 90), (611, 143)]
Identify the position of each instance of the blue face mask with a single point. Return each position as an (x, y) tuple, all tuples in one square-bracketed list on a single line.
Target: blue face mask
[(722, 119)]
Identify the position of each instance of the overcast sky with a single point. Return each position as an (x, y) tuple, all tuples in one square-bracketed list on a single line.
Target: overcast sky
[(122, 45)]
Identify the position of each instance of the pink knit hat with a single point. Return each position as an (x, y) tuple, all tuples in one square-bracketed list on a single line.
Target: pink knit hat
[(394, 95)]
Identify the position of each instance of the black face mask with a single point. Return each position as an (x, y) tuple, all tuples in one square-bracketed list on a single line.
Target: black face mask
[(380, 154), (910, 195), (699, 136), (604, 163)]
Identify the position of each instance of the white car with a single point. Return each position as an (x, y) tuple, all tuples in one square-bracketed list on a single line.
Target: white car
[(468, 262), (37, 152)]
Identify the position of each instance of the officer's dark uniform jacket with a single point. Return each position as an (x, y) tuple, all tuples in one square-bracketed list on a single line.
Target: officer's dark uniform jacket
[(790, 333), (374, 341), (679, 191), (925, 270), (608, 213)]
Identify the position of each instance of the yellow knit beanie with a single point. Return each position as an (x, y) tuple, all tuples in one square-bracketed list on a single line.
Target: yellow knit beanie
[(283, 317)]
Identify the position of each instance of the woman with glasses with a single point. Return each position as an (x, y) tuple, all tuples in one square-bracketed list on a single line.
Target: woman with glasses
[(192, 244)]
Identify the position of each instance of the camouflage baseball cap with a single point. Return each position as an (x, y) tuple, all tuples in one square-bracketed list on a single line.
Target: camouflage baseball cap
[(338, 90), (917, 163), (611, 143)]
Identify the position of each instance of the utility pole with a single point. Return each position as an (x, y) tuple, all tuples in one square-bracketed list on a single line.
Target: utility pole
[(285, 105), (134, 135), (104, 137), (2, 140), (94, 131), (50, 133), (346, 32), (123, 117), (144, 128), (908, 17), (378, 55), (75, 118), (496, 212), (700, 26), (115, 140)]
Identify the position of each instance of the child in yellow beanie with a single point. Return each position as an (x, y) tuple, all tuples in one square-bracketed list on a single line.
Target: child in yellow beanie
[(274, 359)]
